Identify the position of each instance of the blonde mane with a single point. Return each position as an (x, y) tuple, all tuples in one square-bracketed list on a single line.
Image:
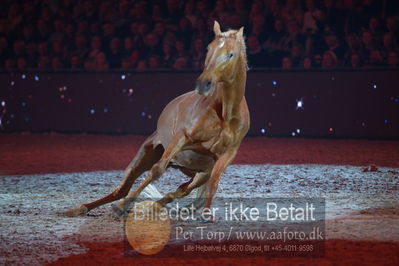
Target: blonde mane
[(243, 49)]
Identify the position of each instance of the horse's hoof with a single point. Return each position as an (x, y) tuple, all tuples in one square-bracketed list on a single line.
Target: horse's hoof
[(117, 213), (74, 212)]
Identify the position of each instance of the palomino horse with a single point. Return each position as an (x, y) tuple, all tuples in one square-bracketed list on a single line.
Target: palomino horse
[(198, 132)]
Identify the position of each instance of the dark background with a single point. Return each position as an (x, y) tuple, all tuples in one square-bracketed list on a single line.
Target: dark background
[(111, 66), (350, 104)]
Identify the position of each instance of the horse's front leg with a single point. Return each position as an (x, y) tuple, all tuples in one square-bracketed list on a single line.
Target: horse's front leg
[(154, 173), (213, 182)]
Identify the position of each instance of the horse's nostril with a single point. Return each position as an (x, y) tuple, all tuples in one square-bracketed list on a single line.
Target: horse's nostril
[(203, 86)]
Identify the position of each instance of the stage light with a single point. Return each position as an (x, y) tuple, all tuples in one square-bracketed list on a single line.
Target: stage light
[(123, 77), (386, 121), (3, 103), (142, 113), (293, 134), (298, 131), (263, 131), (23, 104), (92, 111), (274, 83), (375, 86), (23, 76), (105, 110), (12, 83), (331, 129), (299, 104), (37, 78)]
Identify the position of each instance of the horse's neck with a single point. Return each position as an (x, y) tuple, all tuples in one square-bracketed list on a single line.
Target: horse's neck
[(232, 93)]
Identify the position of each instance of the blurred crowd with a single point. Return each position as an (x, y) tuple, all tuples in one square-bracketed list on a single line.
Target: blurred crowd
[(141, 34)]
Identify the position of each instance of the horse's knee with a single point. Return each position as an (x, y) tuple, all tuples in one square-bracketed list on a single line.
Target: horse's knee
[(120, 192)]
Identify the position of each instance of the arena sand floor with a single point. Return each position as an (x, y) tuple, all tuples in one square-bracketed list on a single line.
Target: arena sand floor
[(42, 174)]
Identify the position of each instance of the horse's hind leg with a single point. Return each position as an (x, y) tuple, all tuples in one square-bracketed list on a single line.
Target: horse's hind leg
[(145, 158), (156, 171), (199, 202), (186, 188)]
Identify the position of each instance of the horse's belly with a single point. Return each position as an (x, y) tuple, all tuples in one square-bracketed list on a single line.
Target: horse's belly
[(193, 160)]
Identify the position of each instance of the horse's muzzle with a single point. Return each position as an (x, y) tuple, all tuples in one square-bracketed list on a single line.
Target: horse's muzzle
[(203, 87)]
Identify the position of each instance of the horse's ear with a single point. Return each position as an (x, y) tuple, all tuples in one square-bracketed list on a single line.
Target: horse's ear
[(240, 32), (216, 28)]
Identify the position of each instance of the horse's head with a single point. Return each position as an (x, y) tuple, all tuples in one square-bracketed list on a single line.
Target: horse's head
[(226, 56)]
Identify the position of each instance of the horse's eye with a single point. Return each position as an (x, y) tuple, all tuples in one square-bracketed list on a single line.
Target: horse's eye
[(230, 55)]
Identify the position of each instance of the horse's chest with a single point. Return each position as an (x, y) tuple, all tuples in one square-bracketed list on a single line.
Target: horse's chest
[(205, 128), (209, 132), (220, 143), (215, 139)]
